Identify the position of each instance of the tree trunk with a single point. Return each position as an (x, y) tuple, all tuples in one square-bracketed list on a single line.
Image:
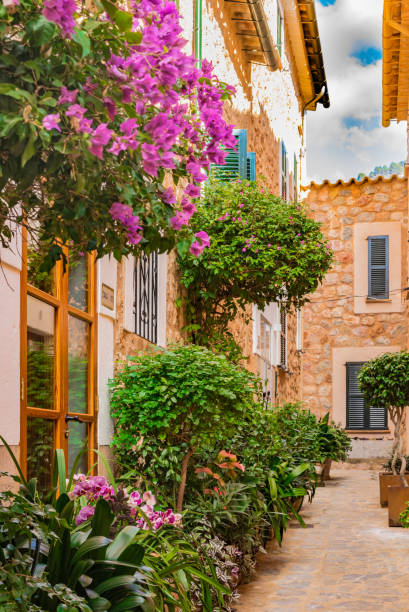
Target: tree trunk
[(398, 447), (394, 419), (182, 486)]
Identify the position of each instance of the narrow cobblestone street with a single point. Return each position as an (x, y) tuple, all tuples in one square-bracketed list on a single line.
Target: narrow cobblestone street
[(346, 559)]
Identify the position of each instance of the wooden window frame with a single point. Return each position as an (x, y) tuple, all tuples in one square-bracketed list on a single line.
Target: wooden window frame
[(62, 312)]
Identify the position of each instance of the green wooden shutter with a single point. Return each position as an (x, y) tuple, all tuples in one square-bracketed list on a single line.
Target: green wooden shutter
[(361, 415), (378, 267), (284, 179), (279, 30), (295, 177), (235, 165), (251, 167)]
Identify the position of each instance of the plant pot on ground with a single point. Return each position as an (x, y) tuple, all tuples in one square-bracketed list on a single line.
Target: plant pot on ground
[(384, 381), (398, 497), (388, 479), (325, 474)]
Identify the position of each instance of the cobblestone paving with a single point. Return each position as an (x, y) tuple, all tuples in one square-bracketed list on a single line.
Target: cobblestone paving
[(347, 559)]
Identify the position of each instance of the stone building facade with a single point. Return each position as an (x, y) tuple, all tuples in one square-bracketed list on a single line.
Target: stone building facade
[(360, 310)]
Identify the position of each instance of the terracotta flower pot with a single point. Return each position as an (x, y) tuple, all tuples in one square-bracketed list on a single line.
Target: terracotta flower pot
[(387, 480), (397, 500), (297, 503)]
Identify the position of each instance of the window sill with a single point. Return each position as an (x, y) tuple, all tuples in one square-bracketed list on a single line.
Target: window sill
[(370, 300), (368, 431)]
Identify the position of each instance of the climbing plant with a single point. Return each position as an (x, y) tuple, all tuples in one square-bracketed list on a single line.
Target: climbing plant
[(384, 381), (101, 116), (263, 250)]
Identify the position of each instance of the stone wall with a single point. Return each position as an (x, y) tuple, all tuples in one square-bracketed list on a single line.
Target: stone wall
[(340, 324)]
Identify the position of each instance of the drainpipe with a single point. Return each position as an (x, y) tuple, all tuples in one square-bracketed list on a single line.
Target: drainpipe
[(198, 33), (267, 44)]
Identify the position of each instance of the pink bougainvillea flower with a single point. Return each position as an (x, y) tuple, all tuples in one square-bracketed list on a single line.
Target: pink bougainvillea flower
[(150, 158), (67, 96), (100, 137), (50, 122), (84, 126), (110, 105), (178, 220), (244, 249), (278, 248), (76, 110), (203, 237), (196, 248), (192, 190), (168, 196), (61, 12), (241, 205), (84, 514), (269, 245)]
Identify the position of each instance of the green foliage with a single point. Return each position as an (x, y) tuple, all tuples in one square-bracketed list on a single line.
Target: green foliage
[(393, 168), (169, 403), (49, 563), (262, 250), (384, 381), (404, 517)]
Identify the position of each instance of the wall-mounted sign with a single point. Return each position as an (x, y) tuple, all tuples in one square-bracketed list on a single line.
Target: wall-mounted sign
[(107, 297)]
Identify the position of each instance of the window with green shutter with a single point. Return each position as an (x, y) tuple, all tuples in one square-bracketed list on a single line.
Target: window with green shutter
[(284, 172), (283, 339), (280, 30), (235, 165), (251, 167), (360, 415), (378, 267), (295, 177)]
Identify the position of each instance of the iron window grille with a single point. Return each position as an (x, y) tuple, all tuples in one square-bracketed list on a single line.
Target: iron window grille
[(360, 415), (283, 339), (146, 297)]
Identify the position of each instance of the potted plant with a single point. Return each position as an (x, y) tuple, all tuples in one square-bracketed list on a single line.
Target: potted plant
[(384, 381), (333, 444)]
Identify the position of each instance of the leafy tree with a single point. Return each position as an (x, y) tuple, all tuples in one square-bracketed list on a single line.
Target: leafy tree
[(169, 404), (263, 250), (94, 112), (393, 168), (384, 381)]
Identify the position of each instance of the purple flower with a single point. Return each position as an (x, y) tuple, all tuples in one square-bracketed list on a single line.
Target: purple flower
[(100, 137), (203, 237), (75, 110), (124, 214), (150, 158), (84, 126), (50, 122), (110, 105), (192, 190), (168, 196), (178, 220), (84, 514), (61, 12)]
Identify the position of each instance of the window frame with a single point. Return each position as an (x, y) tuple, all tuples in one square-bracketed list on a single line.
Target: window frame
[(280, 30), (284, 171)]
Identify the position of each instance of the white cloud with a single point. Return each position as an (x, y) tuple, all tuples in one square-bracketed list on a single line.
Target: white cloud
[(333, 150)]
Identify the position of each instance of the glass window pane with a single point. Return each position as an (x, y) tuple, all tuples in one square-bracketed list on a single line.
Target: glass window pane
[(36, 252), (78, 343), (40, 449), (77, 441), (40, 353), (78, 281)]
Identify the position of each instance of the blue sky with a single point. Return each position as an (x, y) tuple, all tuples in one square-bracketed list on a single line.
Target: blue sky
[(347, 138)]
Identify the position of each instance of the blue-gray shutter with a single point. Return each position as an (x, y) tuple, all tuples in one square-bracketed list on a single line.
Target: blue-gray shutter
[(251, 167), (378, 267), (235, 165), (361, 415)]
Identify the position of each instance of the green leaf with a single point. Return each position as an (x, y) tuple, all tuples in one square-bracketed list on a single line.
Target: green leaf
[(30, 149), (124, 539), (40, 30), (92, 543), (83, 40), (123, 20), (134, 37), (110, 8), (7, 89)]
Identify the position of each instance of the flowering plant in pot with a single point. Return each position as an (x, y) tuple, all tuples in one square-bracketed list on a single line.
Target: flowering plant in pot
[(384, 381)]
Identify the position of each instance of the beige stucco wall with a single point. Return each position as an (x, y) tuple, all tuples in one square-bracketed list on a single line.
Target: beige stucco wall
[(338, 326)]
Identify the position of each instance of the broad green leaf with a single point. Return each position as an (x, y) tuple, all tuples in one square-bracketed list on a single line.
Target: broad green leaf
[(124, 539), (92, 543), (83, 40), (123, 20)]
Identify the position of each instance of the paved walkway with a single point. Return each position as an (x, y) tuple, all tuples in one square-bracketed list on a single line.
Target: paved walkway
[(347, 559)]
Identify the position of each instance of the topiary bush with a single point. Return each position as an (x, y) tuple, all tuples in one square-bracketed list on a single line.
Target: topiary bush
[(167, 405), (384, 381), (263, 250)]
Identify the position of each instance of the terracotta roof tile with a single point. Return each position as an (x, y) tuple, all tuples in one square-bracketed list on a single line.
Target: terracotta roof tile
[(354, 181)]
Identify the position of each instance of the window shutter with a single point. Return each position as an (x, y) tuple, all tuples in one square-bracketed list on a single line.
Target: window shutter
[(295, 177), (236, 161), (284, 172), (378, 268), (359, 414), (251, 167), (283, 339), (279, 30)]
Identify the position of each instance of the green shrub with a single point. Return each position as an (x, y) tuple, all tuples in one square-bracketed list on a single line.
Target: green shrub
[(384, 381), (170, 404), (263, 249)]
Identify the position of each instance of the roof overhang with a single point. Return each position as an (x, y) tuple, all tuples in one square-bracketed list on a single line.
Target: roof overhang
[(301, 21), (395, 65), (252, 29)]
